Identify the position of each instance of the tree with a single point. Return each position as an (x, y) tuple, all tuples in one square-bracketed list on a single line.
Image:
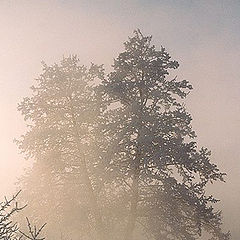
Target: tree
[(61, 113), (115, 156), (150, 147), (8, 229)]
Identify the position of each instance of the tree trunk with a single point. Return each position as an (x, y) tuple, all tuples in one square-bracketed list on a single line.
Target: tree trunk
[(93, 201), (136, 172), (92, 197), (133, 208)]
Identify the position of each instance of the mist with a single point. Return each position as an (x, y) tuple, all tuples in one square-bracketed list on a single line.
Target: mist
[(203, 36)]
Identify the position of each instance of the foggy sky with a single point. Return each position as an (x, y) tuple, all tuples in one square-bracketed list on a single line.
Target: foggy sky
[(203, 36)]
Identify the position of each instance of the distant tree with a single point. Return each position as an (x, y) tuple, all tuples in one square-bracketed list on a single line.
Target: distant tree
[(152, 157), (60, 186), (115, 157)]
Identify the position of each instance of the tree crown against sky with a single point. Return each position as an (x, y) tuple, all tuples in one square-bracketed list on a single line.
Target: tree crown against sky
[(119, 156)]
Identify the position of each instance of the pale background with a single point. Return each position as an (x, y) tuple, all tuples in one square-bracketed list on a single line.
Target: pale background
[(204, 36)]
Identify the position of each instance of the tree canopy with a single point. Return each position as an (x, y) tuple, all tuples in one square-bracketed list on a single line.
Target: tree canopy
[(115, 156)]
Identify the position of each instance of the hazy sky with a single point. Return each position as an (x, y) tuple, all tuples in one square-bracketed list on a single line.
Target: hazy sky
[(203, 35)]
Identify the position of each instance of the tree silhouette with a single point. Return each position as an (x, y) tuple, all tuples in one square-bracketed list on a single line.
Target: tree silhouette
[(33, 232), (61, 113), (151, 151), (115, 156), (8, 229)]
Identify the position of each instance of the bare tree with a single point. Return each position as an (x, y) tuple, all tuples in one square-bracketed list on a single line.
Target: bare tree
[(33, 232), (9, 229)]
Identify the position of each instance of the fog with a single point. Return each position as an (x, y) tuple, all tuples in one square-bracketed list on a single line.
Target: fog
[(203, 36)]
